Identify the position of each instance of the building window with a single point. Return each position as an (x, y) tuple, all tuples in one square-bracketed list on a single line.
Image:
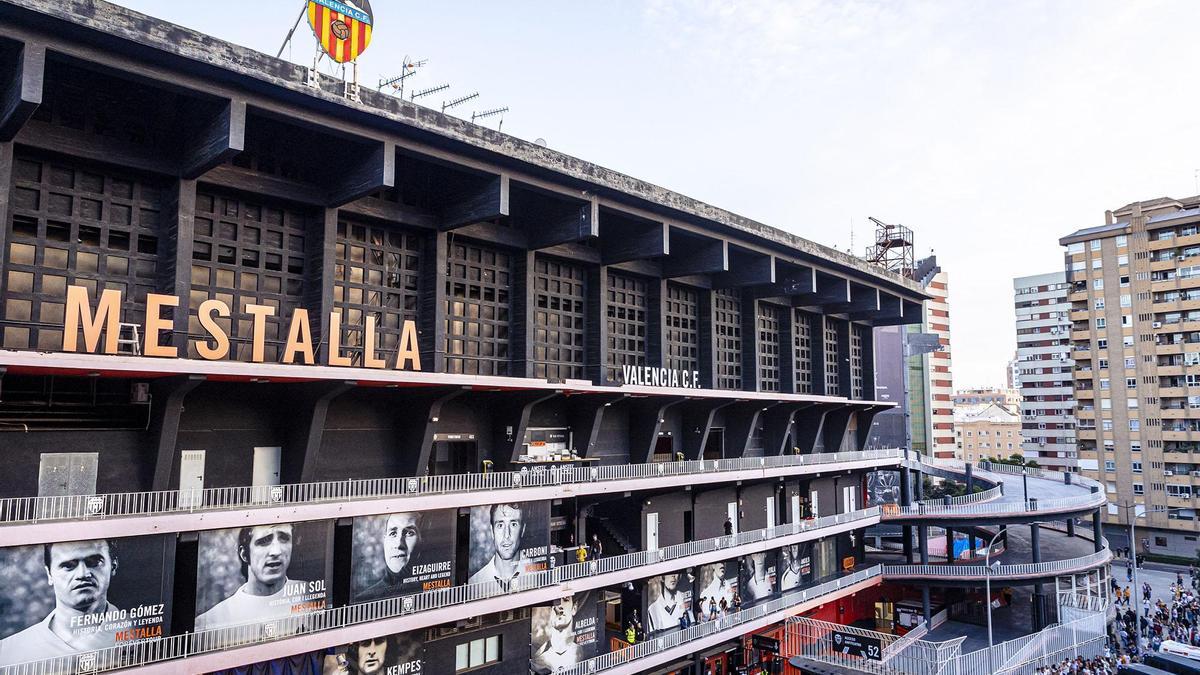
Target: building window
[(770, 319), (1101, 322), (857, 388), (376, 273), (804, 355), (558, 317), (1122, 240), (1110, 465), (682, 314), (1139, 489), (1135, 425), (478, 300), (1136, 466), (627, 302), (727, 326), (476, 653), (247, 252), (832, 386), (71, 225), (1098, 284), (1094, 244)]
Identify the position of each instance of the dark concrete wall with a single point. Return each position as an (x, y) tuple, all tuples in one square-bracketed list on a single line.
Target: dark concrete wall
[(670, 509)]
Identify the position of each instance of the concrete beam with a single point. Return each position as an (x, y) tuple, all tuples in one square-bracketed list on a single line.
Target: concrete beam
[(23, 95), (221, 138)]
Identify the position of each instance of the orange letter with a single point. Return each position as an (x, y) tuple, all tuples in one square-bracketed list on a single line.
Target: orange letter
[(155, 324), (369, 359), (335, 341), (79, 311), (299, 339), (207, 308), (410, 351), (259, 337)]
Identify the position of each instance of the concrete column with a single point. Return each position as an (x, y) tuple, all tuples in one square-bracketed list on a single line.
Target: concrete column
[(1039, 594), (970, 477), (1096, 528), (1070, 527), (949, 538), (920, 486), (906, 500), (926, 605), (923, 543)]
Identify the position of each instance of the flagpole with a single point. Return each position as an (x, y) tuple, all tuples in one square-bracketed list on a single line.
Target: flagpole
[(293, 30)]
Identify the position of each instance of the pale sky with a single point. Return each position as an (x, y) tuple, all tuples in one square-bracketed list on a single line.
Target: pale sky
[(990, 128)]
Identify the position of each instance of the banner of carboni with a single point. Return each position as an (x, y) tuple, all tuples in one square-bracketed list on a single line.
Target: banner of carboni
[(101, 329)]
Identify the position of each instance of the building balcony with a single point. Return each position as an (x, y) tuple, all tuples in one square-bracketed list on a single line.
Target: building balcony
[(40, 519), (1179, 435)]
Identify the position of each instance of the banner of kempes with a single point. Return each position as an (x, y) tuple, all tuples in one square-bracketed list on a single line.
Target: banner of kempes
[(101, 330)]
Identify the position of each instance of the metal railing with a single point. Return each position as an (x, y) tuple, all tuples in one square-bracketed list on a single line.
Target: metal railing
[(1084, 501), (910, 655), (16, 510), (1049, 568), (973, 498), (824, 642), (201, 642), (701, 630)]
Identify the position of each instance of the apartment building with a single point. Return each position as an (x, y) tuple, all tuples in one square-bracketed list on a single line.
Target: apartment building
[(986, 430), (931, 381), (1045, 369), (1008, 398), (1135, 334)]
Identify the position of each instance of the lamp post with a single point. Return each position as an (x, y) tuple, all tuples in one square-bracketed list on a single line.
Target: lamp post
[(988, 592), (1137, 589)]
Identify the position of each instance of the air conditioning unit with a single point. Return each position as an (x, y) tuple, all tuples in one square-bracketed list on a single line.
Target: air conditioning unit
[(1157, 324), (1196, 473), (1168, 473)]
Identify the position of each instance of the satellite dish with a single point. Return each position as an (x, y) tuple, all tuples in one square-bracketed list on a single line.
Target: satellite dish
[(541, 142)]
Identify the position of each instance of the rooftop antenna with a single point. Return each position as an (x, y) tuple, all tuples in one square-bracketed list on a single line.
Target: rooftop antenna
[(407, 70), (425, 92), (458, 101), (491, 113)]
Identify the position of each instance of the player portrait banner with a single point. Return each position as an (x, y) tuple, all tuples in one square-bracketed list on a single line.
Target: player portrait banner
[(261, 573), (669, 600), (62, 598), (400, 654), (883, 487), (507, 542), (401, 554), (343, 27), (565, 633), (757, 578), (795, 566), (718, 581)]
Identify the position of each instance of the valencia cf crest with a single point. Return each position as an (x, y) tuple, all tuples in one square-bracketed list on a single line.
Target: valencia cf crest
[(343, 27)]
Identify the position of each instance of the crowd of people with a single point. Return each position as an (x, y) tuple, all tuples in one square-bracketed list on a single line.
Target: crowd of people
[(1100, 665), (1155, 621)]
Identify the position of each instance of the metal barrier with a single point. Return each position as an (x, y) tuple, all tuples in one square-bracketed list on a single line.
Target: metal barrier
[(87, 507), (824, 642), (818, 641), (1051, 568), (661, 644), (201, 642)]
